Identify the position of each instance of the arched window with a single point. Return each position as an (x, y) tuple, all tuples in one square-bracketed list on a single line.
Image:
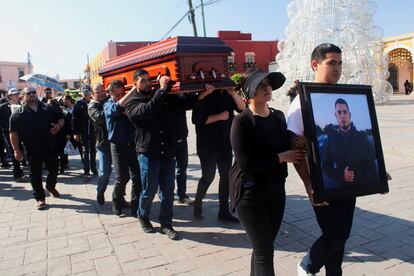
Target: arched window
[(393, 79)]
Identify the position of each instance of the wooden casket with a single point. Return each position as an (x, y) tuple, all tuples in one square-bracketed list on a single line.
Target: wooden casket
[(190, 62)]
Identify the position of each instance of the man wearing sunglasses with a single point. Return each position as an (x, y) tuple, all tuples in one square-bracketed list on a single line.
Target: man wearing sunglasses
[(48, 95), (36, 124)]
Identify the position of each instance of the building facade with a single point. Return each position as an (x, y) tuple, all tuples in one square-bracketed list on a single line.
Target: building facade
[(71, 83), (10, 72), (248, 53), (400, 50)]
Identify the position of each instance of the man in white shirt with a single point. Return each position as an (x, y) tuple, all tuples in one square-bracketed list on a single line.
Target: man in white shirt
[(334, 217)]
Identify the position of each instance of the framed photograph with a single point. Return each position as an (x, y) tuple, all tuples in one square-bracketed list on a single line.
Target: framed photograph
[(344, 146)]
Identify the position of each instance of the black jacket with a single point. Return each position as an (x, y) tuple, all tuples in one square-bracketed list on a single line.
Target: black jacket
[(215, 136), (155, 121), (97, 114), (351, 149), (81, 123), (5, 113)]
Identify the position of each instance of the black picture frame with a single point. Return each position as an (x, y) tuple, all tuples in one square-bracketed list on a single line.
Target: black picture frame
[(336, 140)]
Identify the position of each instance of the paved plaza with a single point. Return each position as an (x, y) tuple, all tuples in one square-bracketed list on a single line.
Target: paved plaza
[(75, 236)]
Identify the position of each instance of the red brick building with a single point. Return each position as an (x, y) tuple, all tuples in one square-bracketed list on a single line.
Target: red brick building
[(247, 52)]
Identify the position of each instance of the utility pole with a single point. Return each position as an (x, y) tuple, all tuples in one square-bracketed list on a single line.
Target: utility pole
[(192, 17), (88, 70), (29, 63), (202, 15)]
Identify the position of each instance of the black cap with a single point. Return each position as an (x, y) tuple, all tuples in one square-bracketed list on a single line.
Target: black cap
[(276, 79)]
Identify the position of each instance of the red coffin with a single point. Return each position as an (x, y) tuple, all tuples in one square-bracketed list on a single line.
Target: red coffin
[(190, 62)]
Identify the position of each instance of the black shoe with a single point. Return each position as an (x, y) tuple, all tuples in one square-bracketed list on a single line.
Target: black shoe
[(227, 216), (170, 232), (94, 171), (100, 198), (146, 225), (117, 209), (54, 192), (198, 210), (86, 172), (185, 200)]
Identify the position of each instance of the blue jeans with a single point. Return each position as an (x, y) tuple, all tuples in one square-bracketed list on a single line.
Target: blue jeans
[(157, 173), (104, 168)]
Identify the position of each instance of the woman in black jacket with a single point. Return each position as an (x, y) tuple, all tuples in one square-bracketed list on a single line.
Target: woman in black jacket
[(261, 146)]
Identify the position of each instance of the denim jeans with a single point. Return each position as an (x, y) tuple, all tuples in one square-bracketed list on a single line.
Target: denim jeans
[(335, 221), (104, 168), (157, 173), (126, 167), (89, 152), (181, 158)]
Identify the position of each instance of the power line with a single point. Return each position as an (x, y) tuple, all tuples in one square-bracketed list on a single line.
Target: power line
[(168, 17), (187, 13)]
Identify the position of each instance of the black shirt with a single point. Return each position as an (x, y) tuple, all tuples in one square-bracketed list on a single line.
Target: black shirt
[(256, 143), (214, 136), (351, 149), (81, 123), (33, 127)]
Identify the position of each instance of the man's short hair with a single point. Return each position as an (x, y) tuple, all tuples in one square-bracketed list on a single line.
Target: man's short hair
[(115, 84), (320, 52), (69, 98), (47, 89), (139, 73), (341, 101)]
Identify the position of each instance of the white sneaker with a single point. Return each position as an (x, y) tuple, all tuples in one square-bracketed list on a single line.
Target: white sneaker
[(303, 267)]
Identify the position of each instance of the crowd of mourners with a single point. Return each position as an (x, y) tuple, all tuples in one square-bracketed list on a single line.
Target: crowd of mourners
[(141, 135)]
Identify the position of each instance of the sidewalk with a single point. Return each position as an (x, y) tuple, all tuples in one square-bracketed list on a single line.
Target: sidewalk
[(75, 236)]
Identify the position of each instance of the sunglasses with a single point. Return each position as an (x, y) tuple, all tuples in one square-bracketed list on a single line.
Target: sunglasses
[(31, 93)]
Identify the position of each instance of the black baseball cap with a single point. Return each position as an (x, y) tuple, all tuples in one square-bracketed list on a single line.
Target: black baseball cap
[(276, 79)]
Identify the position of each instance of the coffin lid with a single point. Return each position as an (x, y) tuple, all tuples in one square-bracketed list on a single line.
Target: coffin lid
[(179, 44)]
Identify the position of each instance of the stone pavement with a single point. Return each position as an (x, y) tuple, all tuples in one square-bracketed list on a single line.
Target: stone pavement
[(75, 236)]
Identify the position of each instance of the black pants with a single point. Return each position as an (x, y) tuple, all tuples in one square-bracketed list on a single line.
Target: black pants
[(2, 148), (89, 152), (17, 171), (209, 160), (126, 167), (335, 221), (36, 160), (181, 159), (261, 213)]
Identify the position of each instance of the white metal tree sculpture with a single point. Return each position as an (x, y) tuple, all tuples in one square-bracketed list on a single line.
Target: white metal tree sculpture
[(345, 23)]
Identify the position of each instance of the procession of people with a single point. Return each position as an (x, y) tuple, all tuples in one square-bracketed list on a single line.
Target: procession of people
[(141, 135)]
